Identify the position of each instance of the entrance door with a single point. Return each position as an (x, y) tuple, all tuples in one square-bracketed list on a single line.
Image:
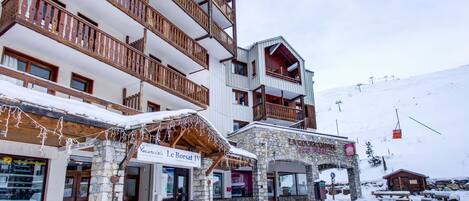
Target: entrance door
[(180, 184), (131, 184), (77, 184)]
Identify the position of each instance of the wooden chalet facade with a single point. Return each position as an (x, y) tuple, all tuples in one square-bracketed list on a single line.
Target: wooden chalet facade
[(405, 180)]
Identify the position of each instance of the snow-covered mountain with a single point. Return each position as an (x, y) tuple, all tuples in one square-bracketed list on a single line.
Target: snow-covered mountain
[(439, 100)]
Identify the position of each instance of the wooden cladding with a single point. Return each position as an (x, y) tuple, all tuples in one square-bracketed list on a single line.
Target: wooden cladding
[(201, 17), (132, 101), (47, 18), (142, 12), (58, 89)]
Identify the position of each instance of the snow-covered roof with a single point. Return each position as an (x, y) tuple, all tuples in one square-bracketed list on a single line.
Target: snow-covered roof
[(287, 129), (15, 93), (402, 170)]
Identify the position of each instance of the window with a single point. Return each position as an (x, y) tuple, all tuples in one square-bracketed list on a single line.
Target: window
[(241, 184), (254, 68), (59, 3), (153, 107), (240, 68), (22, 178), (33, 66), (81, 83), (292, 184), (217, 185), (239, 124), (155, 58), (240, 97)]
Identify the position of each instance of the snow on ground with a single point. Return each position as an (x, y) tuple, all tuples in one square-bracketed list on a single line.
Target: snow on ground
[(439, 100)]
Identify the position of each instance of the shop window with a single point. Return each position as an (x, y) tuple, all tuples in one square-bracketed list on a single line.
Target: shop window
[(240, 68), (33, 66), (241, 184), (239, 124), (22, 178), (292, 184), (153, 107), (81, 83), (217, 185), (240, 97)]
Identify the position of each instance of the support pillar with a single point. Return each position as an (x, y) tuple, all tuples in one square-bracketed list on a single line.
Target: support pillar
[(106, 158), (312, 174), (354, 181), (259, 176), (201, 183)]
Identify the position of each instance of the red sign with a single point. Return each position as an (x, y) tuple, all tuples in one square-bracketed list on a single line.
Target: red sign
[(349, 149)]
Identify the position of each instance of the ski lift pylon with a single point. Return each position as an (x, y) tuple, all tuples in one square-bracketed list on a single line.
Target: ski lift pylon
[(397, 132)]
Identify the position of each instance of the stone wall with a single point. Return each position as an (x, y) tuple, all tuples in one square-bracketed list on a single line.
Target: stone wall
[(272, 144)]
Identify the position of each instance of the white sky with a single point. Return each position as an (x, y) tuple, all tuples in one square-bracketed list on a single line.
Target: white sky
[(346, 41)]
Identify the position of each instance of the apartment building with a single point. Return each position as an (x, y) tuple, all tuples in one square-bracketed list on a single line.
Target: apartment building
[(148, 100)]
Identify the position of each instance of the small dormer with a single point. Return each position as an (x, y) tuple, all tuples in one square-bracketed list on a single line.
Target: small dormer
[(281, 63)]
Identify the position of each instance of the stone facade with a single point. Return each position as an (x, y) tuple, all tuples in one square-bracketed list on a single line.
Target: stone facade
[(201, 183), (106, 158), (272, 144)]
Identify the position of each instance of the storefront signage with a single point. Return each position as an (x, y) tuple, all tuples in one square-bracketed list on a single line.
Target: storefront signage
[(349, 149), (307, 146), (169, 156)]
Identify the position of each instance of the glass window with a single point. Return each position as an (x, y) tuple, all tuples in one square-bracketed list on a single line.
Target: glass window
[(41, 72), (240, 97), (169, 174), (217, 185), (22, 178), (240, 68), (153, 107), (301, 184), (22, 66), (239, 124), (81, 83), (241, 184), (287, 184)]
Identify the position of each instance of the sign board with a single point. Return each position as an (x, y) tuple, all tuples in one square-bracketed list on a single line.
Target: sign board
[(153, 153), (349, 149), (308, 146)]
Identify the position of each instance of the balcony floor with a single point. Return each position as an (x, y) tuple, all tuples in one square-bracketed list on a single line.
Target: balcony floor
[(69, 60)]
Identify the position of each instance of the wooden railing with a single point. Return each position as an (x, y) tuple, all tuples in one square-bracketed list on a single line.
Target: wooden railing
[(201, 17), (275, 111), (47, 18), (195, 11), (225, 8), (222, 37), (133, 101), (54, 88), (281, 75), (142, 12), (139, 44)]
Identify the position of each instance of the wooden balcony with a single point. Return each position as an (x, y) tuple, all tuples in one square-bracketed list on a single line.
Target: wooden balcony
[(201, 17), (275, 111), (49, 19), (281, 75), (56, 89), (226, 9), (149, 17)]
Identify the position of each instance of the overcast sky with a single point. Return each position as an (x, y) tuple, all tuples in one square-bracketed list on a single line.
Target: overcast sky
[(346, 41)]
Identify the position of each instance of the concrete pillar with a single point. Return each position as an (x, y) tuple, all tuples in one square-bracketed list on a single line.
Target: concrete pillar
[(201, 183), (312, 174), (354, 182), (106, 158), (259, 176)]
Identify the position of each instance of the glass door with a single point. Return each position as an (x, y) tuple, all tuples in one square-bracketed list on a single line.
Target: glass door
[(77, 185), (271, 190), (177, 188)]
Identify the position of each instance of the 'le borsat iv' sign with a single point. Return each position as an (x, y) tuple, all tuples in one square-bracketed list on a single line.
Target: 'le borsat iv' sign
[(158, 154)]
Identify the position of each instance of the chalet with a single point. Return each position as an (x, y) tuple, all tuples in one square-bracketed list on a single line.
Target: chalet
[(139, 100), (405, 180)]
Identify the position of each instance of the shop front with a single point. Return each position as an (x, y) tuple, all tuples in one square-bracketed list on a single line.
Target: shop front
[(289, 161)]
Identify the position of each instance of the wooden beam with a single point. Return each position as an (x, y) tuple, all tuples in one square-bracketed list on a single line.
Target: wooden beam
[(131, 153), (176, 140), (215, 163)]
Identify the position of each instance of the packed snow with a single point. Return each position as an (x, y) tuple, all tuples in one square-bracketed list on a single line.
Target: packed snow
[(438, 100)]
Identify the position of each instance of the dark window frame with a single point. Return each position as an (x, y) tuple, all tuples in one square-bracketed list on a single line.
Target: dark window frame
[(254, 68), (240, 123), (29, 60), (87, 81), (237, 96), (238, 64), (87, 19), (221, 185), (150, 104), (295, 174)]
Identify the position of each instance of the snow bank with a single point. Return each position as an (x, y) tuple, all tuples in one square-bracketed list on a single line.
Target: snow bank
[(439, 100)]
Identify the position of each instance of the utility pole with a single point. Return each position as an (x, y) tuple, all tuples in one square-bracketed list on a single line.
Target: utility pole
[(338, 105), (337, 127)]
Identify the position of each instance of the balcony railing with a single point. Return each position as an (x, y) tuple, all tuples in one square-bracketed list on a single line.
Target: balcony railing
[(57, 89), (275, 111), (146, 15), (49, 19), (225, 8), (201, 17), (281, 75)]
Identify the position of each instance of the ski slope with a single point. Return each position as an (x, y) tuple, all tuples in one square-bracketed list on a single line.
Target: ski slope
[(439, 100)]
